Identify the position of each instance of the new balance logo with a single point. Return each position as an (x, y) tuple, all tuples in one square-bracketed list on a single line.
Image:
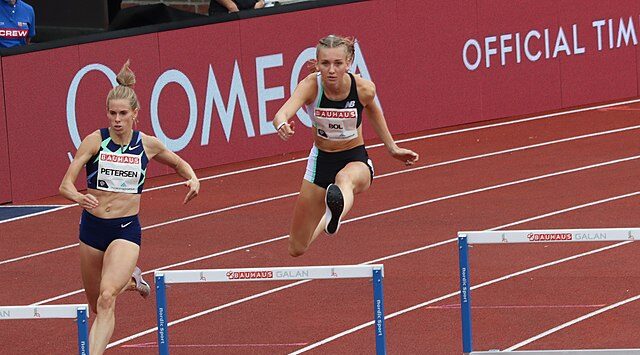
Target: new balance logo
[(124, 225), (350, 104)]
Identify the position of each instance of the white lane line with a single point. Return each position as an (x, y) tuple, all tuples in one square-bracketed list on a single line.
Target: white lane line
[(427, 136), (156, 225), (429, 246), (61, 207), (416, 204), (205, 312), (571, 322), (38, 253), (464, 130), (480, 156), (453, 294), (29, 206), (486, 283)]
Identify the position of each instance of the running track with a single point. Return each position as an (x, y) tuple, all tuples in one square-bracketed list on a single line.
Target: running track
[(564, 170)]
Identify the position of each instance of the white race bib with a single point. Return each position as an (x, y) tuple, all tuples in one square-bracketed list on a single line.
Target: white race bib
[(119, 172), (336, 124)]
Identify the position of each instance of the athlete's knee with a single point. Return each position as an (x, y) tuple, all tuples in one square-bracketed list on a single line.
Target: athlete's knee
[(296, 249), (107, 299), (92, 301), (344, 179)]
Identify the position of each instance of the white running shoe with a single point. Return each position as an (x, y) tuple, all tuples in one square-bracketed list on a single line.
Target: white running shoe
[(334, 206), (141, 285)]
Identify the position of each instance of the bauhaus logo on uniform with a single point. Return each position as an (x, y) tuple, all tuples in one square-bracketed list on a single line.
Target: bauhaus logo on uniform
[(341, 114), (124, 159)]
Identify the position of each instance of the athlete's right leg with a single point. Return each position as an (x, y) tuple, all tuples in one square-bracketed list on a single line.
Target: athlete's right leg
[(91, 269), (307, 216), (119, 262)]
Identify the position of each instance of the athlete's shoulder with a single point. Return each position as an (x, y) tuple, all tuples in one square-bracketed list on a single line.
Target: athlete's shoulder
[(147, 138), (366, 88), (311, 79), (308, 88), (91, 143), (93, 136), (151, 143)]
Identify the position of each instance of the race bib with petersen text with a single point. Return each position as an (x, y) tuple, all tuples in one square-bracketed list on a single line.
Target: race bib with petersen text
[(119, 172)]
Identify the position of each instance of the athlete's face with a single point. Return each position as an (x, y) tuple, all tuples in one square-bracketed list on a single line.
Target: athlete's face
[(332, 63), (121, 115)]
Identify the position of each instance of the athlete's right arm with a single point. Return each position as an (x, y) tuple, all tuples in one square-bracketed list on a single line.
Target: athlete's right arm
[(89, 146), (304, 93)]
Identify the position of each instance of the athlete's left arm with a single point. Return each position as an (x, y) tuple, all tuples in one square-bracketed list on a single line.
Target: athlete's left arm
[(367, 94), (155, 149)]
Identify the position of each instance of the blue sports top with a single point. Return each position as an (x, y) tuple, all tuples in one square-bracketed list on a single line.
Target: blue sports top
[(118, 168), (17, 22)]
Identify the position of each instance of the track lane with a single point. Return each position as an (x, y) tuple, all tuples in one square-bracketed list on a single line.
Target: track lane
[(172, 237), (18, 236), (266, 255)]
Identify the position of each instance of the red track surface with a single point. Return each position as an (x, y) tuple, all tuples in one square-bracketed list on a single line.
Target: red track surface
[(507, 312)]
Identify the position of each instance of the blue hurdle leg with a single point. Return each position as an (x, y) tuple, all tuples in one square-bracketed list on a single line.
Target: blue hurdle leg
[(378, 312), (83, 331), (465, 294), (161, 313)]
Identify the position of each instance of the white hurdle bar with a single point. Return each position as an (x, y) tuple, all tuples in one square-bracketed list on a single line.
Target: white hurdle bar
[(533, 237), (375, 271), (79, 312)]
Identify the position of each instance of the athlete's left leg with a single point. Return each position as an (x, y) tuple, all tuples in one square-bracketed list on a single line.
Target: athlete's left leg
[(353, 179)]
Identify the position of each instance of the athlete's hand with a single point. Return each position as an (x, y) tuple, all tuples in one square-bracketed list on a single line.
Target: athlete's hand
[(194, 188), (88, 202), (407, 156), (287, 130)]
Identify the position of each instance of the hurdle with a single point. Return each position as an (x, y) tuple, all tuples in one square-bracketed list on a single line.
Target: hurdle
[(374, 271), (530, 236), (79, 312)]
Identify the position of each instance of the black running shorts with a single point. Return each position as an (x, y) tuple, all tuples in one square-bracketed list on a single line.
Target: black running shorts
[(322, 167)]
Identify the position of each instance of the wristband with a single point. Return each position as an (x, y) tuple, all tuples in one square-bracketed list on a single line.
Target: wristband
[(280, 125)]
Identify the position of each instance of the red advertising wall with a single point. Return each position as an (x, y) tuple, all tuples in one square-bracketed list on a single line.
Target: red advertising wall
[(209, 92), (599, 75), (5, 172)]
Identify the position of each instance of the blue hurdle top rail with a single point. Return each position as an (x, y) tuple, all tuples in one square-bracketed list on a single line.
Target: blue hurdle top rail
[(530, 236), (376, 272), (79, 312)]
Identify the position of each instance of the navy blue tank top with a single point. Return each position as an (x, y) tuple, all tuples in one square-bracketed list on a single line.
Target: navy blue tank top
[(118, 168)]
